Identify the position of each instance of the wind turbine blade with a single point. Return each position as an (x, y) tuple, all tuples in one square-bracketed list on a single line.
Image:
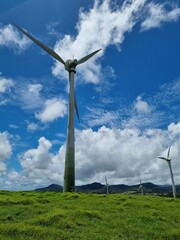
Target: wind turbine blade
[(163, 158), (168, 152), (44, 47), (106, 181), (84, 59), (76, 108)]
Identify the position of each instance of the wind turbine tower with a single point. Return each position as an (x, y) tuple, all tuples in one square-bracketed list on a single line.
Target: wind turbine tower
[(70, 66), (168, 160)]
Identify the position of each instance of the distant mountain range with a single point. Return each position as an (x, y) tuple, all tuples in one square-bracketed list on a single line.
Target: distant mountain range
[(148, 188)]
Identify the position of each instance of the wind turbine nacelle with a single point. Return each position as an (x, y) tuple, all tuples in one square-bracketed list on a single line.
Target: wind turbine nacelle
[(70, 65)]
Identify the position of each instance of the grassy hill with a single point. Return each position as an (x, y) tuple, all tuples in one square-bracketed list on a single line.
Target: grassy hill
[(57, 216)]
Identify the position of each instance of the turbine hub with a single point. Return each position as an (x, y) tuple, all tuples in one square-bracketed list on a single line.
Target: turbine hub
[(70, 65)]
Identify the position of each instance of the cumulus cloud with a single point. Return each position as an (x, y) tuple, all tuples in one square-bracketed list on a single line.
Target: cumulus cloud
[(174, 129), (27, 95), (30, 97), (5, 150), (39, 158), (5, 85), (108, 150), (108, 24), (141, 106), (40, 167), (9, 37), (157, 14), (125, 154), (53, 109)]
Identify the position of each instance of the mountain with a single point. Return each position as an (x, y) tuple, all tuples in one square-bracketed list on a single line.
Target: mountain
[(93, 187), (148, 188), (50, 188)]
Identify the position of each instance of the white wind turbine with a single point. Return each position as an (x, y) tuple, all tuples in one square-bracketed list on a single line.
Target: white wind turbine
[(168, 160), (107, 185), (70, 66), (140, 188)]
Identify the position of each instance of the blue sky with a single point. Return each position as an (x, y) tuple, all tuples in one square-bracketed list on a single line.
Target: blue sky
[(128, 94)]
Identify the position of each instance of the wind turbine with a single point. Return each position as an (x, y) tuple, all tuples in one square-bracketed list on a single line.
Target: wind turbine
[(168, 160), (107, 185), (141, 188), (70, 66)]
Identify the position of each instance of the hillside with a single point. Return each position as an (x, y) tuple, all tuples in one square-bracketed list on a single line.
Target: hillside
[(79, 216), (148, 188)]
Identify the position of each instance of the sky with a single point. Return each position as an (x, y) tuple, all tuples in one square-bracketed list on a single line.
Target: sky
[(128, 94)]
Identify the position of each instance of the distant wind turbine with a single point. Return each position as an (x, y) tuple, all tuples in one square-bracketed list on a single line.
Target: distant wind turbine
[(168, 160), (70, 66), (107, 185), (141, 188)]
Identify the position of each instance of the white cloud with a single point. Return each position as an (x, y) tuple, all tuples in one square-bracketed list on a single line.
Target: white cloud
[(52, 28), (99, 117), (9, 37), (13, 175), (53, 109), (169, 93), (138, 114), (29, 96), (3, 102), (13, 126), (123, 155), (108, 150), (2, 167), (158, 14), (5, 149), (174, 129), (98, 28), (31, 127), (39, 158), (103, 26), (5, 85), (142, 106), (166, 102), (40, 167), (144, 112)]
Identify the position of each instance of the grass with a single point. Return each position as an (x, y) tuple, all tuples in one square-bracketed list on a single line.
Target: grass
[(64, 216)]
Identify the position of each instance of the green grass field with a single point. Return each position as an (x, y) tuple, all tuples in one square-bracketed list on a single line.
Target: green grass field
[(51, 216)]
